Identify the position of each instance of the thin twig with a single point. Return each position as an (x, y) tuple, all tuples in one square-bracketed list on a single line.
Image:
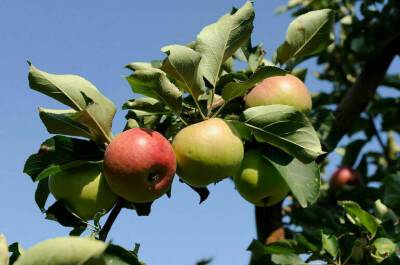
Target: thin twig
[(111, 219), (378, 136)]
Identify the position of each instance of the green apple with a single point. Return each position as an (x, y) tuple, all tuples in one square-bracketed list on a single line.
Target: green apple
[(139, 165), (258, 181), (207, 152), (285, 90), (84, 190)]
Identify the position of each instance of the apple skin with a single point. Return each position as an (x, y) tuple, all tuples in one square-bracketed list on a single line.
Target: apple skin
[(285, 90), (83, 189), (345, 176), (207, 152), (258, 181), (139, 165)]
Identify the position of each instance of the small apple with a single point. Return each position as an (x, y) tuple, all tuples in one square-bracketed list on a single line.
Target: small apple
[(258, 181), (207, 152), (345, 176), (139, 165), (285, 90), (83, 189)]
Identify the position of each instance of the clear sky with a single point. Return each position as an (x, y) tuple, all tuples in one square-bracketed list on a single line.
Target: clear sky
[(96, 39)]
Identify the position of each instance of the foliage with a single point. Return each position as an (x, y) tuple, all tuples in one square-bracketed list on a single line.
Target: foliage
[(198, 81)]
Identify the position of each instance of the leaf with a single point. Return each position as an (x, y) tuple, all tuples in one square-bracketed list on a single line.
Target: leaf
[(285, 246), (154, 83), (391, 196), (287, 259), (60, 213), (331, 244), (117, 255), (54, 169), (94, 110), (145, 106), (237, 89), (302, 179), (353, 149), (392, 80), (307, 35), (359, 217), (285, 128), (203, 192), (64, 251), (4, 259), (382, 248), (42, 193), (182, 64), (16, 250), (60, 150), (134, 66), (241, 128), (219, 41)]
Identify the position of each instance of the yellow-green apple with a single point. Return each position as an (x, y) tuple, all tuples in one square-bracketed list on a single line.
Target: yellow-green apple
[(345, 176), (207, 152), (139, 165), (83, 189), (258, 181), (285, 90)]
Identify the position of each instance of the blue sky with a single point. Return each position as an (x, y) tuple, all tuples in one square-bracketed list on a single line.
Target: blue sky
[(96, 39)]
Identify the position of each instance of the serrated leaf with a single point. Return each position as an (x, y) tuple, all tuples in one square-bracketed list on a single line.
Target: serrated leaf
[(64, 251), (182, 64), (360, 217), (219, 41), (154, 83), (4, 259), (60, 150), (302, 179), (285, 128), (233, 90), (96, 112), (330, 244), (145, 106), (307, 35)]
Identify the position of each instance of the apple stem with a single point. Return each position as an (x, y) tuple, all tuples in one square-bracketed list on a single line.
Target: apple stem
[(212, 101), (219, 110), (111, 219), (198, 107)]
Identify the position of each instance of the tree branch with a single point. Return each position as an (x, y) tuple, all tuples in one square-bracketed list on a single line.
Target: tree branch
[(111, 219)]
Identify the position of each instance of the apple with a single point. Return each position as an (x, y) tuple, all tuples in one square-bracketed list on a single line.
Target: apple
[(285, 90), (207, 152), (345, 176), (139, 165), (258, 181), (83, 189)]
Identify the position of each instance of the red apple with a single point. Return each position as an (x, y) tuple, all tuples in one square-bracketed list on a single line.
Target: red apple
[(345, 176), (139, 165), (285, 90)]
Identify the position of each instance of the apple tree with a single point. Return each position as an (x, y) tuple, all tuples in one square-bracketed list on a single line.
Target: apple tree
[(195, 116)]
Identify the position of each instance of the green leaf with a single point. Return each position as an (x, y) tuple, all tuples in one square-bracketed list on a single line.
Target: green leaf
[(287, 259), (4, 259), (285, 246), (54, 169), (233, 90), (60, 213), (219, 41), (307, 35), (241, 128), (93, 110), (353, 149), (182, 64), (285, 128), (391, 196), (154, 83), (64, 251), (117, 255), (60, 150), (16, 250), (145, 106), (392, 80), (130, 124), (331, 244), (135, 66), (382, 248), (302, 179), (359, 217), (42, 193)]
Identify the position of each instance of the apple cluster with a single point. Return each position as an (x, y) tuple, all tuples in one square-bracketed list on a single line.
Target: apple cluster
[(139, 164)]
